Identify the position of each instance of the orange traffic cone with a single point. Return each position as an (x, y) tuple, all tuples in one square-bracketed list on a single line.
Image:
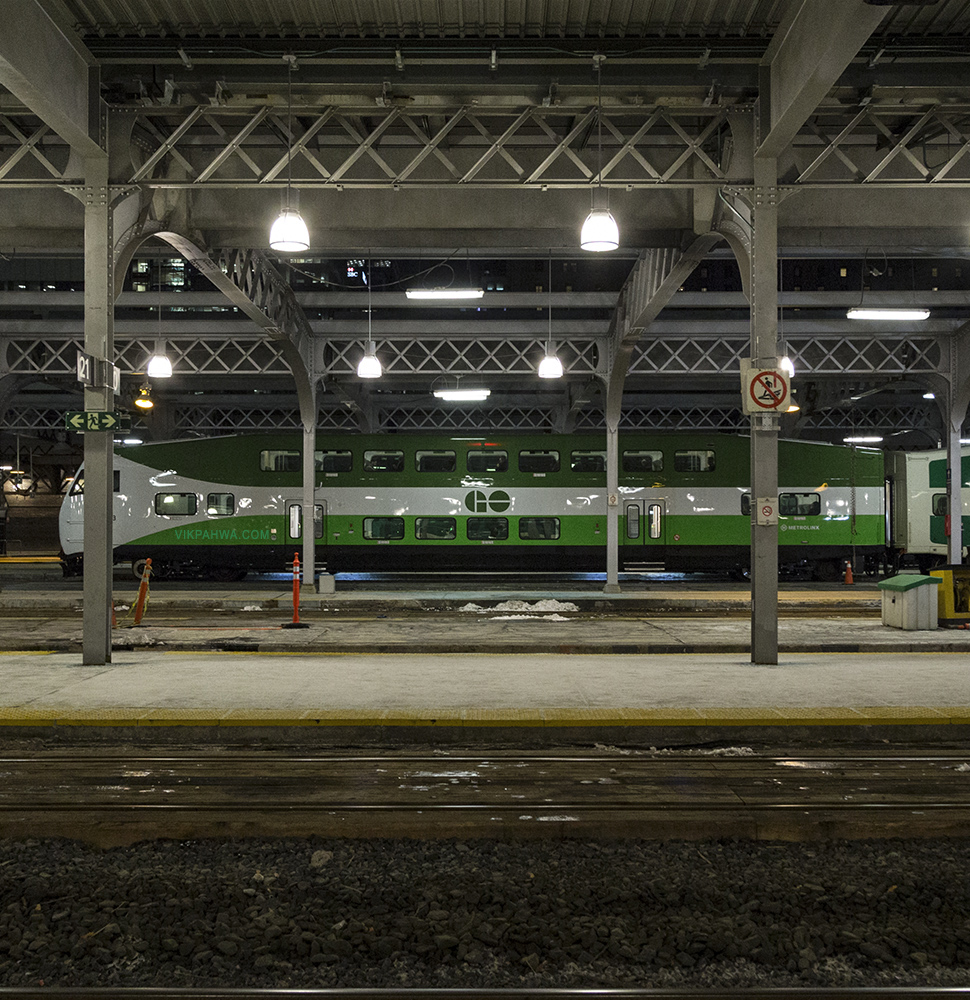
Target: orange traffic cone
[(848, 572)]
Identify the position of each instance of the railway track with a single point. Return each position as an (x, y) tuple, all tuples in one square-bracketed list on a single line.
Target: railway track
[(604, 993), (111, 799)]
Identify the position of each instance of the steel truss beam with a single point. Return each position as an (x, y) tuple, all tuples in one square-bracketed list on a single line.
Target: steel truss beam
[(531, 147)]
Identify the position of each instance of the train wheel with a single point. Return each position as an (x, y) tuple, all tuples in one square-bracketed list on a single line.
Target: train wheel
[(138, 568), (226, 574), (827, 571)]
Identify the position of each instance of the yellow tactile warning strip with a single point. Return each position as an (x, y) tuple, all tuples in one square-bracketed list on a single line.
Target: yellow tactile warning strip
[(472, 718)]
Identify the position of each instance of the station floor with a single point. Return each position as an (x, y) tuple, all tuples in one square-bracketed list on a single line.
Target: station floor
[(637, 664)]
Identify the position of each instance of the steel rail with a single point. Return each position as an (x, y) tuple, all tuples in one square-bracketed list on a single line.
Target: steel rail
[(578, 993)]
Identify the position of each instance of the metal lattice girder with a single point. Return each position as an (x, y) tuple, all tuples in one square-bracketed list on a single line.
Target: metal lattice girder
[(33, 419), (29, 149), (724, 419), (467, 418), (928, 145), (487, 356), (190, 355), (884, 419), (215, 420), (531, 146), (814, 355)]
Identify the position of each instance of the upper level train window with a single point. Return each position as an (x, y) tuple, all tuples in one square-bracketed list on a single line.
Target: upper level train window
[(434, 461), (534, 528), (383, 461), (220, 504), (280, 461), (799, 504), (176, 504), (434, 527), (77, 487), (384, 527), (333, 461), (539, 461), (481, 529), (694, 461), (487, 460), (588, 461), (642, 461), (940, 505)]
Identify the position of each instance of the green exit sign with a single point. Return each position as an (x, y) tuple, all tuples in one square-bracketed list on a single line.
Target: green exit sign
[(97, 420)]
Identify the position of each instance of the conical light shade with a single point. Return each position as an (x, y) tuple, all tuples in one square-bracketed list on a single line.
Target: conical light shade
[(550, 367), (159, 367), (369, 366), (600, 231), (289, 232)]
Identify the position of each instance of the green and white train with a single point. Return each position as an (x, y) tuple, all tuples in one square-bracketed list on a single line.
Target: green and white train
[(499, 502)]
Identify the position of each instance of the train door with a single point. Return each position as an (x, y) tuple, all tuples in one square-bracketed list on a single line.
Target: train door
[(643, 533), (293, 530)]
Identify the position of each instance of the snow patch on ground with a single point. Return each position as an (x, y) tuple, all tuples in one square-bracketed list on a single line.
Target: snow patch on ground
[(542, 618)]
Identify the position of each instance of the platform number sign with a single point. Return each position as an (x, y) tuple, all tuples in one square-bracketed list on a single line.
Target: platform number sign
[(764, 390)]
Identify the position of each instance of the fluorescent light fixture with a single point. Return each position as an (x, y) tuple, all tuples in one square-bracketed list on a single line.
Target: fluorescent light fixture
[(289, 233), (159, 367), (550, 367), (929, 395), (861, 440), (463, 395), (860, 312), (444, 293), (131, 441), (600, 231)]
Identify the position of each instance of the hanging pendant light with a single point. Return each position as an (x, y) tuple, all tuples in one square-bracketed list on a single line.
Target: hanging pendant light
[(600, 231), (550, 366), (289, 233), (369, 365), (159, 366)]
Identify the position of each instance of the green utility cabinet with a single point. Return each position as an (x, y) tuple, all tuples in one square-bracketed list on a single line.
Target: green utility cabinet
[(909, 602)]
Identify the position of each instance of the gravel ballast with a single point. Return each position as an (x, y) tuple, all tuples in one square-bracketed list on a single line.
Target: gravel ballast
[(400, 913)]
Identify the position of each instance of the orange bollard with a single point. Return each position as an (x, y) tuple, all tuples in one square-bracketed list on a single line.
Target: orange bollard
[(142, 591), (848, 572), (296, 623)]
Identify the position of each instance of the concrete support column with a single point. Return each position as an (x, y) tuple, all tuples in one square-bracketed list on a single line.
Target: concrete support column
[(98, 445), (764, 427), (309, 522), (612, 511)]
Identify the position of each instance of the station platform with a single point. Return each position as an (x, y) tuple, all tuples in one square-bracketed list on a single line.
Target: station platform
[(645, 665)]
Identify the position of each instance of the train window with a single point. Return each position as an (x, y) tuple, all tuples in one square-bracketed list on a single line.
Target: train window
[(588, 461), (434, 527), (487, 460), (483, 529), (333, 461), (694, 461), (940, 505), (77, 487), (220, 504), (539, 461), (534, 528), (642, 461), (799, 504), (384, 461), (176, 504), (632, 520), (655, 513), (434, 461), (280, 461), (295, 520), (746, 504), (384, 527)]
